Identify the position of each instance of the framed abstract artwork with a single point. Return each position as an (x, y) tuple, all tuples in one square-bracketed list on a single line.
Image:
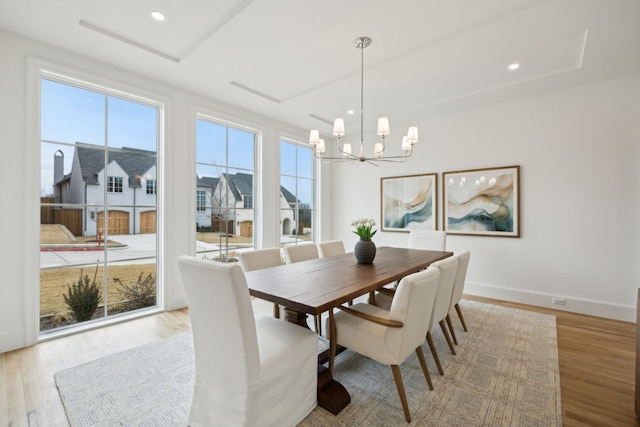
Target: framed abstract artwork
[(408, 202), (482, 202)]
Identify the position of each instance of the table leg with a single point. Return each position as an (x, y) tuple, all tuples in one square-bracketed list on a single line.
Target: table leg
[(332, 395), (296, 317)]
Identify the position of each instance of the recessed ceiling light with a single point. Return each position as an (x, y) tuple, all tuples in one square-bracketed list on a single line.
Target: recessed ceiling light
[(514, 66), (157, 15), (350, 112)]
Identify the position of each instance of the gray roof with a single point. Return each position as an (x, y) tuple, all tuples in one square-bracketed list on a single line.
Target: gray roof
[(208, 181), (242, 184), (289, 197), (133, 161)]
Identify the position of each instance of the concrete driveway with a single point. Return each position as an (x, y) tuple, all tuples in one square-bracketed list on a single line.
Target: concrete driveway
[(139, 249)]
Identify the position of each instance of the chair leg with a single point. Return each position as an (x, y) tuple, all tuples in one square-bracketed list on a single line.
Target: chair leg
[(464, 326), (403, 397), (276, 311), (333, 339), (318, 324), (450, 325), (372, 298), (443, 326), (423, 363), (432, 347)]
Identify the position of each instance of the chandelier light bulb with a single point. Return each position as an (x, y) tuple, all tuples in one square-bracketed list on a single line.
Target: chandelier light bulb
[(406, 145), (338, 127), (314, 137), (378, 149), (412, 135), (383, 126)]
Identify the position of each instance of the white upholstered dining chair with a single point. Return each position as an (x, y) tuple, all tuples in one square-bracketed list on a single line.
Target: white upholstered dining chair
[(249, 371), (448, 269), (330, 248), (458, 290), (389, 336), (259, 259), (299, 253), (434, 240)]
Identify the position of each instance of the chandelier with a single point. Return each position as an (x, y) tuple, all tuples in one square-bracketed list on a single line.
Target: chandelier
[(347, 155)]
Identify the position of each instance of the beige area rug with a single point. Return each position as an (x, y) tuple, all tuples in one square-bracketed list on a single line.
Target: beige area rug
[(505, 373)]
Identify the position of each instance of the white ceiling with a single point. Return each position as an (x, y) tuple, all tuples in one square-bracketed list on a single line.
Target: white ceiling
[(294, 60)]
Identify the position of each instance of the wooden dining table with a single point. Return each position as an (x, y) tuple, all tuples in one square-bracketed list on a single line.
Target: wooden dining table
[(316, 286)]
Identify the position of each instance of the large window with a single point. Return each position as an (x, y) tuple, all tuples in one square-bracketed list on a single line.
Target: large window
[(226, 189), (98, 205), (297, 193)]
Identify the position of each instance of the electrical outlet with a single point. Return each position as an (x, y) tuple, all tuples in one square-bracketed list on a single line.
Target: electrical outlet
[(558, 301)]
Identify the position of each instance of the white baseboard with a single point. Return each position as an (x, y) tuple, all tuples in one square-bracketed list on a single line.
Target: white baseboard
[(625, 313), (12, 340)]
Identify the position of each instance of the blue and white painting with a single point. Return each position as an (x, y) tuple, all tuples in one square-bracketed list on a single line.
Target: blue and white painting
[(409, 202), (483, 201)]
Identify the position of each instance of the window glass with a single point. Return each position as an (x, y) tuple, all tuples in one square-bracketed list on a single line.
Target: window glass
[(98, 196), (297, 188), (225, 168)]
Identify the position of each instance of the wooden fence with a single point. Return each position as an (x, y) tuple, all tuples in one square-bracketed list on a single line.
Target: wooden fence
[(70, 218)]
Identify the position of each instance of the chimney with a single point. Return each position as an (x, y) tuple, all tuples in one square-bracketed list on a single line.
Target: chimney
[(58, 174)]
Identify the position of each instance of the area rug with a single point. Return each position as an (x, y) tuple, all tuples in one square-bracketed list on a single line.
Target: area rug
[(505, 373)]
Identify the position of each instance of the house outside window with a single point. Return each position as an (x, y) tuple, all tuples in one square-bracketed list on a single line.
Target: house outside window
[(92, 195), (225, 169), (298, 193), (114, 184)]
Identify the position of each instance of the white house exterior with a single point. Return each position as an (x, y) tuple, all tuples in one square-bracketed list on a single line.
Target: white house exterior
[(130, 188), (229, 198)]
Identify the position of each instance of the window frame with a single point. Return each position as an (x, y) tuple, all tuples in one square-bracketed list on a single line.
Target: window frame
[(115, 184), (39, 70), (152, 188), (218, 119), (315, 182)]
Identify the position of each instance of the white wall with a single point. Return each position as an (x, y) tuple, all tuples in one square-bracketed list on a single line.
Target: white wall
[(580, 172), (19, 171)]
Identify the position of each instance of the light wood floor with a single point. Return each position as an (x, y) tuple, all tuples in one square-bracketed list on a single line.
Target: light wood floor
[(596, 358)]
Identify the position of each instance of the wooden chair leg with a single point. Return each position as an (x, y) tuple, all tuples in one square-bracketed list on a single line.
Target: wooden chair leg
[(372, 298), (276, 311), (333, 339), (432, 347), (403, 397), (464, 326), (423, 363), (450, 325), (318, 324), (443, 326)]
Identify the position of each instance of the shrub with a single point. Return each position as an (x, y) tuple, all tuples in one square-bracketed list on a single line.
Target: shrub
[(83, 297), (140, 294)]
